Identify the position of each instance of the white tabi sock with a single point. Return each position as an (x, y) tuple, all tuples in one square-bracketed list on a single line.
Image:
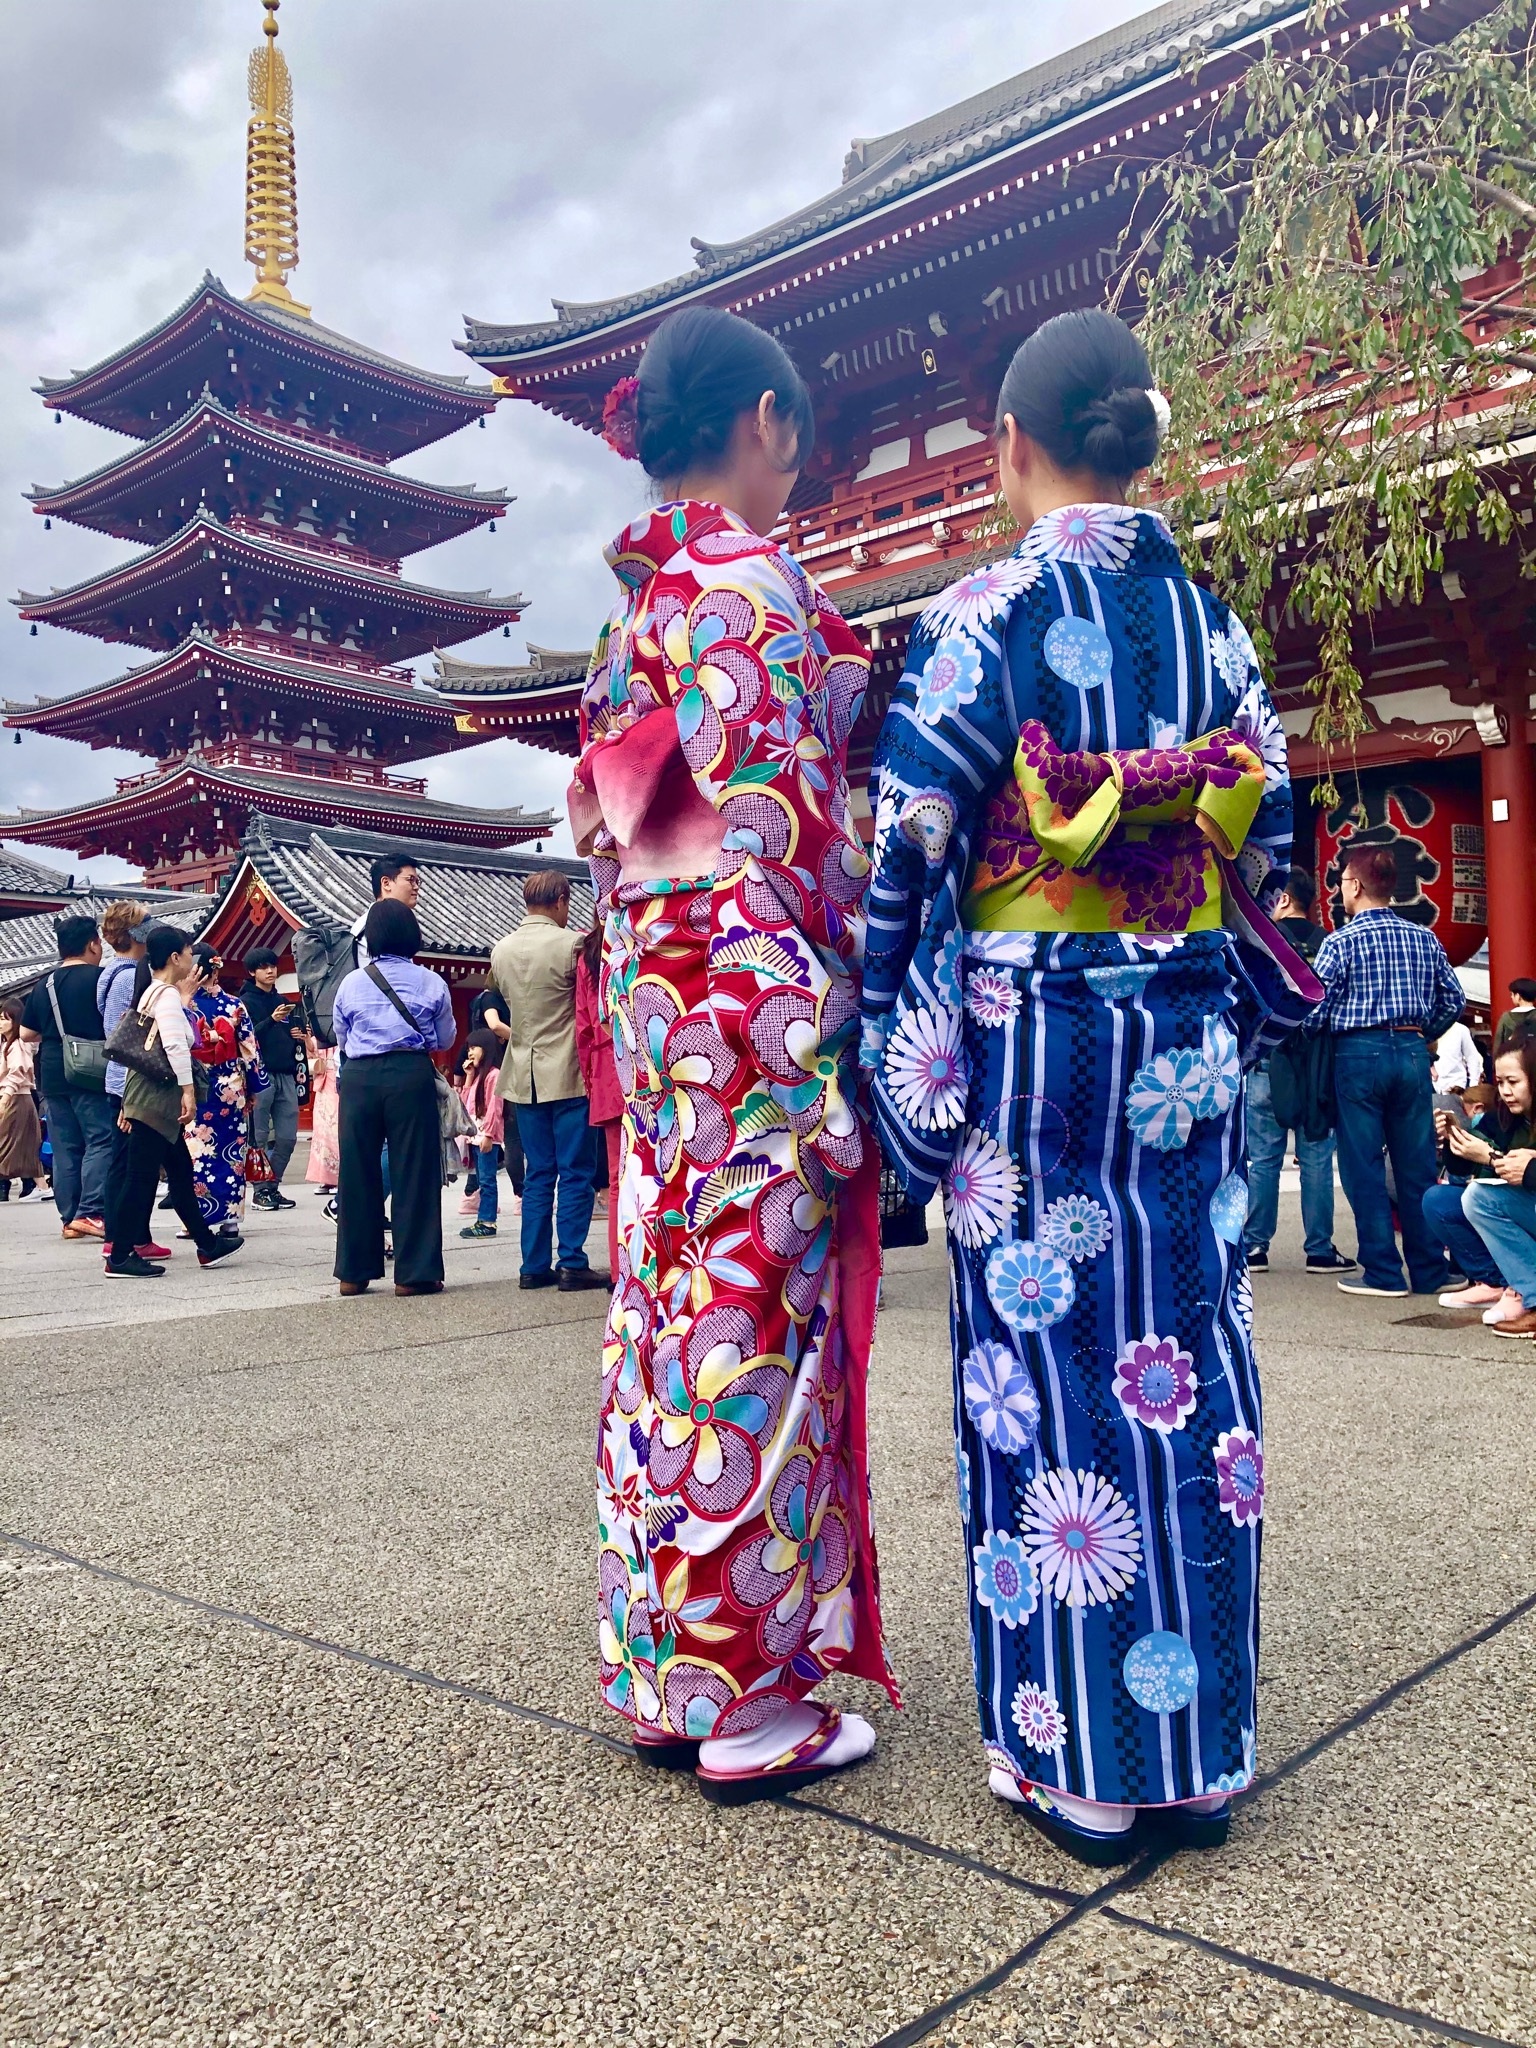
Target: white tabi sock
[(1082, 1813), (755, 1752)]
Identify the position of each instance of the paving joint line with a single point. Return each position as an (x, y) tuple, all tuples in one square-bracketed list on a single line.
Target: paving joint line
[(1079, 1904), (926, 2023), (1301, 1980)]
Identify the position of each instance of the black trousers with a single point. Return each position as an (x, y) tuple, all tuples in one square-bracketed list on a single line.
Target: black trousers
[(389, 1098), (148, 1155)]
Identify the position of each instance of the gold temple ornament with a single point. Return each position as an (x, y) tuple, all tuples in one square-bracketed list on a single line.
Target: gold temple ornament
[(271, 181)]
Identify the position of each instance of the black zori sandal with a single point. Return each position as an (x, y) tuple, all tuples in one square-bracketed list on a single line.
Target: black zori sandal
[(667, 1752)]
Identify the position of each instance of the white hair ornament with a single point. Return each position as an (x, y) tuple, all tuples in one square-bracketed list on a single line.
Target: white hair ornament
[(1161, 411)]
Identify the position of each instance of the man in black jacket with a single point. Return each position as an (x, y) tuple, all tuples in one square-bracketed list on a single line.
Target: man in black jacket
[(275, 1111), (1286, 1092)]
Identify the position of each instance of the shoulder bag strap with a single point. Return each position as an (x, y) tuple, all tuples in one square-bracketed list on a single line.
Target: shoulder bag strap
[(53, 997), (379, 980)]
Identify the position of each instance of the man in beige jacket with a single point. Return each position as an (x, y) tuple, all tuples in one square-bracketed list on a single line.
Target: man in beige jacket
[(535, 970)]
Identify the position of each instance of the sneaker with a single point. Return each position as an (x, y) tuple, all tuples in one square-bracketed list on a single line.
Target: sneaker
[(85, 1226), (132, 1268), (152, 1251), (262, 1199), (1505, 1309), (223, 1248), (1365, 1287), (1331, 1261), (1474, 1296), (330, 1211), (35, 1196), (1258, 1262), (479, 1230), (281, 1201)]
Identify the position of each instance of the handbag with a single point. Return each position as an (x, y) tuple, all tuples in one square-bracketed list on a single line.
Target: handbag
[(258, 1167), (452, 1123), (136, 1043), (85, 1059)]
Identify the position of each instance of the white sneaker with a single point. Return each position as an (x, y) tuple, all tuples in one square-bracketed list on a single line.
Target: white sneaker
[(1506, 1308), (35, 1196)]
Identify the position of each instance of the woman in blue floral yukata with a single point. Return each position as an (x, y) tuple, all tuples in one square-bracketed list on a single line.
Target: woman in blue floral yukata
[(1080, 762)]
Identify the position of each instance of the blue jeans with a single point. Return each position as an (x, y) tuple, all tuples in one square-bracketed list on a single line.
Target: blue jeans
[(1505, 1219), (1266, 1155), (487, 1166), (557, 1146), (1382, 1085), (82, 1129), (1443, 1213)]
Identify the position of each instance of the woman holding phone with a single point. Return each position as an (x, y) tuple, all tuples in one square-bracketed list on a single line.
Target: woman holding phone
[(155, 1115)]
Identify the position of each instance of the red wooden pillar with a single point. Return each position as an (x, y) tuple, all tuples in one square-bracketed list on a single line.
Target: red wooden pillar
[(1509, 815)]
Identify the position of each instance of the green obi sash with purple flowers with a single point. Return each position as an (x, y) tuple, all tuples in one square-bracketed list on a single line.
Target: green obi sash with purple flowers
[(1120, 841)]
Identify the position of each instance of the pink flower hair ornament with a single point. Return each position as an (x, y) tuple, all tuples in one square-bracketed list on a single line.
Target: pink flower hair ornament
[(621, 418)]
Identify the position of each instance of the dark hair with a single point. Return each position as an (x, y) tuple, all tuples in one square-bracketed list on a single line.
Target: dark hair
[(385, 869), (391, 928), (1079, 387), (1301, 889), (592, 951), (702, 369), (260, 956), (204, 955), (1523, 987), (1521, 1046), (74, 934), (12, 1009), (1375, 869), (545, 886), (163, 942), (491, 1048)]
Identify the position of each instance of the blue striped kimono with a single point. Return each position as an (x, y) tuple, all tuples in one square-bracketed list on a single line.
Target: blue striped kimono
[(1078, 1094)]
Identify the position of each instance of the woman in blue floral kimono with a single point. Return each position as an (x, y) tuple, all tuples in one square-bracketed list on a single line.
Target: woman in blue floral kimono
[(216, 1137), (1080, 759)]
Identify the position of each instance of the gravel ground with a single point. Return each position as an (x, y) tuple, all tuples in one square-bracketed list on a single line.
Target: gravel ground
[(213, 1834)]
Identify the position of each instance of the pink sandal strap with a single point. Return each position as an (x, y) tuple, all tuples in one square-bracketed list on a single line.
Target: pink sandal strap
[(801, 1756)]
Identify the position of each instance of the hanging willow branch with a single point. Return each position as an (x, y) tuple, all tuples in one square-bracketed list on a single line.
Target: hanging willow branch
[(1311, 294)]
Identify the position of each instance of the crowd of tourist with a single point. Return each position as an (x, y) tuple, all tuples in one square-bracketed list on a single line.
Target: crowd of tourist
[(205, 1095)]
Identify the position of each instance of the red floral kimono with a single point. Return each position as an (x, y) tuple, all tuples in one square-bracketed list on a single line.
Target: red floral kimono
[(737, 1565)]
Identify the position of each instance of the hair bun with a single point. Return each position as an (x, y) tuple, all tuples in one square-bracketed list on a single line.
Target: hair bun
[(1120, 432)]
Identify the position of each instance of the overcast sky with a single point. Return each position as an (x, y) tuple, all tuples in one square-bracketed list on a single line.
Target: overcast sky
[(455, 156)]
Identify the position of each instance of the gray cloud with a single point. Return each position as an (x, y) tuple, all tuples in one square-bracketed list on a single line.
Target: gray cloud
[(462, 157)]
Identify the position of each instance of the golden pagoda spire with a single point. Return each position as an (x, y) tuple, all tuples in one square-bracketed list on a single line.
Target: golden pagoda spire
[(271, 185)]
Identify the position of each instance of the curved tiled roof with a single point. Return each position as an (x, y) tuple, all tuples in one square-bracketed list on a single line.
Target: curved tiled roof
[(378, 582), (29, 945), (258, 784), (383, 689), (546, 668), (890, 167), (291, 324), (293, 446), (468, 900)]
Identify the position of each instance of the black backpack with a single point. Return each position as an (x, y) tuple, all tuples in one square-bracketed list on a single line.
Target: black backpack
[(323, 957)]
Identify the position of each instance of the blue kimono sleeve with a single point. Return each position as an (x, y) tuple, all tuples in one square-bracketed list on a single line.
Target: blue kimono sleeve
[(948, 736)]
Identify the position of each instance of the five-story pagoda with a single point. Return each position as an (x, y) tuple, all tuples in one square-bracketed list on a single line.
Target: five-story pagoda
[(268, 596)]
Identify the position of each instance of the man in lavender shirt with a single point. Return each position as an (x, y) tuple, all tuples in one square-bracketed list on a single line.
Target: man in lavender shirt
[(388, 1095)]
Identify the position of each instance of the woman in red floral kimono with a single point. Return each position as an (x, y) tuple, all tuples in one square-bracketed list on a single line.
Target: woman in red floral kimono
[(737, 1564)]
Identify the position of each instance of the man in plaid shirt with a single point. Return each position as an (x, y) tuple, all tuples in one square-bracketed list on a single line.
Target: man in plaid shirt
[(1391, 992)]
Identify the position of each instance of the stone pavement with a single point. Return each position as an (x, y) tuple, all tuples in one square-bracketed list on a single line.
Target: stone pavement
[(299, 1741)]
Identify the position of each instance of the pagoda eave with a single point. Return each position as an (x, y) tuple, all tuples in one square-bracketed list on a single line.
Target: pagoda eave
[(158, 806), (198, 567), (202, 341), (405, 720), (192, 457)]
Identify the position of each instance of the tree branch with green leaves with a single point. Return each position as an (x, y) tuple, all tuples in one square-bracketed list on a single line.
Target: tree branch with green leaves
[(1311, 293)]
